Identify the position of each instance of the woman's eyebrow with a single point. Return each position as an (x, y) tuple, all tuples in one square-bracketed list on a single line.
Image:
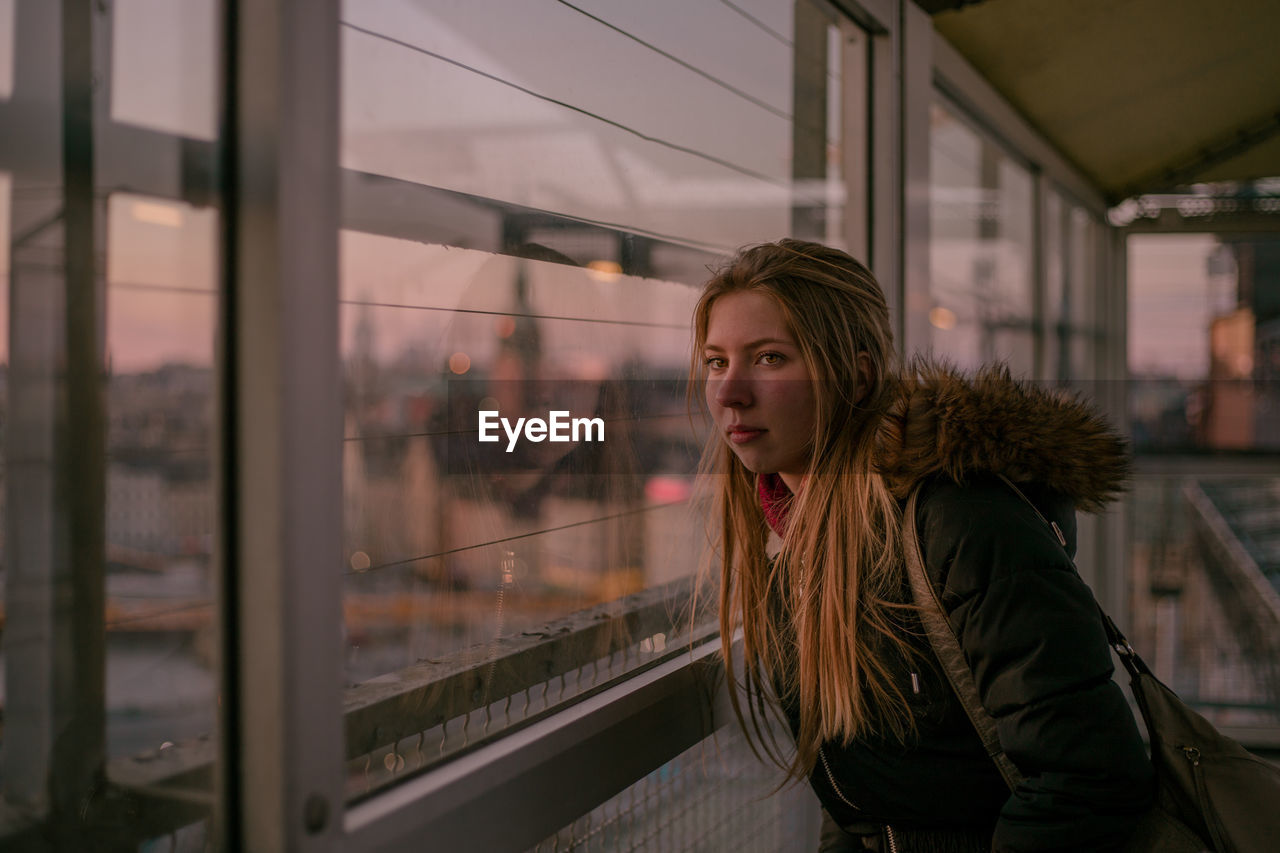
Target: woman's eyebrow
[(753, 344)]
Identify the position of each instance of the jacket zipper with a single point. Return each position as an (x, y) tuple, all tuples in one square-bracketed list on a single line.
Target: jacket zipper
[(889, 834), (831, 777)]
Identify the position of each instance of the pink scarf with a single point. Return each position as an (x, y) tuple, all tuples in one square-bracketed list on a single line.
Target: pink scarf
[(775, 500)]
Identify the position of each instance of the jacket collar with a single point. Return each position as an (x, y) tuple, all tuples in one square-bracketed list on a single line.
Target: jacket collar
[(943, 422)]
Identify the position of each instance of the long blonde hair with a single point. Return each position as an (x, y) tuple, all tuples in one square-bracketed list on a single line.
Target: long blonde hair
[(835, 590)]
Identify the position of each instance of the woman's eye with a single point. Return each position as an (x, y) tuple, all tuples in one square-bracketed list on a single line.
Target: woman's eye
[(715, 362), (771, 358)]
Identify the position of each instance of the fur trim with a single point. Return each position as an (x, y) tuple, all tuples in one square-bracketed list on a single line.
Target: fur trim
[(944, 422)]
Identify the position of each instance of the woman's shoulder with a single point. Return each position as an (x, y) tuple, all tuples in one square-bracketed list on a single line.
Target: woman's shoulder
[(978, 531)]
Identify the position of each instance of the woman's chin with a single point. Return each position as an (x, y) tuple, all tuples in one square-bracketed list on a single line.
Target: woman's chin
[(754, 463)]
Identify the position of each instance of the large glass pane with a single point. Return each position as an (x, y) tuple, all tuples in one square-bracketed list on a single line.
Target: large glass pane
[(488, 556), (980, 248), (1203, 326), (161, 310), (530, 206)]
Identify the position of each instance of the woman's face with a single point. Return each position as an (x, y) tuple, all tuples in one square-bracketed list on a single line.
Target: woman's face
[(758, 387)]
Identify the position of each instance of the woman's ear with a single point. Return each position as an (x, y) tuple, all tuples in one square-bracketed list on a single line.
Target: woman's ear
[(864, 375)]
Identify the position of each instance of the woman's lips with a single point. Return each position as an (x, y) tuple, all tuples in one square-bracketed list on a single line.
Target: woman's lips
[(741, 435)]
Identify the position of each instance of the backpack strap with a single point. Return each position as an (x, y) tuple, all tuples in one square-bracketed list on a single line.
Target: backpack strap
[(947, 648)]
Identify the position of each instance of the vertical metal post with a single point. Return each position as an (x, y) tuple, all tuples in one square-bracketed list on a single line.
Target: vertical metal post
[(79, 748), (809, 121), (54, 748), (35, 336), (1113, 587), (282, 466), (1040, 329), (1062, 337), (885, 155), (913, 251), (856, 120)]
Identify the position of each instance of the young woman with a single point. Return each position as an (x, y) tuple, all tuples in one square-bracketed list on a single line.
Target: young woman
[(820, 439)]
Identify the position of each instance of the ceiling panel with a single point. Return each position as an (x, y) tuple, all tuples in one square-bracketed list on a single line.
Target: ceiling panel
[(1132, 91)]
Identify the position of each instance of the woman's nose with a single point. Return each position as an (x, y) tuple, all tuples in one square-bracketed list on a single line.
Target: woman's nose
[(733, 392)]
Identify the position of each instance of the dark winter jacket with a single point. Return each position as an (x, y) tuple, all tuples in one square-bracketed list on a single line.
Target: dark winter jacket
[(1027, 623)]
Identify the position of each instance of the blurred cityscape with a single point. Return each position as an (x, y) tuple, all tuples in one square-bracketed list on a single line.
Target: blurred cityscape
[(1216, 388), (447, 550)]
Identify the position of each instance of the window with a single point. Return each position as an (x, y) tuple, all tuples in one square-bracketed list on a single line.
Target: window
[(981, 248), (529, 212), (1202, 400), (1202, 341)]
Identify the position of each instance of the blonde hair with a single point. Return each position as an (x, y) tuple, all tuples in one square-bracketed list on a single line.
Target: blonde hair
[(835, 590)]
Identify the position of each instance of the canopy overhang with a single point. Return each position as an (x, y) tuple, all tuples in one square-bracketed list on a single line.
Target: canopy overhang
[(1142, 96)]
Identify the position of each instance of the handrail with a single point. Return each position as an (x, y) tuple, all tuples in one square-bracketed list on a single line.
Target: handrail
[(170, 787), (384, 709)]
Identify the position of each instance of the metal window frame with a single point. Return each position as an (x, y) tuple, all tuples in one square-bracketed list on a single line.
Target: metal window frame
[(897, 158), (55, 449), (914, 250), (283, 416), (26, 755)]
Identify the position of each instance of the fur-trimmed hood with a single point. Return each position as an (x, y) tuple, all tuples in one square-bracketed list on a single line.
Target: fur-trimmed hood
[(942, 421)]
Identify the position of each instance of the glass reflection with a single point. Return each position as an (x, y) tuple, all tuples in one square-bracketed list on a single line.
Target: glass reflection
[(160, 521), (457, 548), (489, 585), (980, 249), (1204, 327), (569, 109)]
